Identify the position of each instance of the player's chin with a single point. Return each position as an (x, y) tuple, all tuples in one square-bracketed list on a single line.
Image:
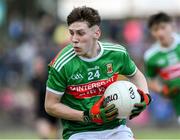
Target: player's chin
[(79, 53)]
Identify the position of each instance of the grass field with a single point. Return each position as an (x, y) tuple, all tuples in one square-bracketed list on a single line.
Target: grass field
[(148, 133), (157, 134)]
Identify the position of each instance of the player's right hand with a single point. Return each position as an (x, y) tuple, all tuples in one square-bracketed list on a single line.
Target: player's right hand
[(99, 113), (140, 107)]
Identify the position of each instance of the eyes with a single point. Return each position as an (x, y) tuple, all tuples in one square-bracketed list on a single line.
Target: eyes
[(78, 32), (160, 27)]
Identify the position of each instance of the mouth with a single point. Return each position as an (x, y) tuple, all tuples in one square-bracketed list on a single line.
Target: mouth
[(77, 49)]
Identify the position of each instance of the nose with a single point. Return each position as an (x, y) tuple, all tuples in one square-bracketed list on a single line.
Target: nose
[(74, 39), (160, 32)]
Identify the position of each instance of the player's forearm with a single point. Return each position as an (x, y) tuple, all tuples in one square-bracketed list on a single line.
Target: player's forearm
[(154, 85), (60, 110), (140, 81)]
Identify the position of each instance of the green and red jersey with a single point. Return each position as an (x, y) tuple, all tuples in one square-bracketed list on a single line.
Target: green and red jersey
[(164, 62), (83, 81)]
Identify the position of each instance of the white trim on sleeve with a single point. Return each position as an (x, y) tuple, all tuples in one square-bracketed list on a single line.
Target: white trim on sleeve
[(54, 91), (132, 73)]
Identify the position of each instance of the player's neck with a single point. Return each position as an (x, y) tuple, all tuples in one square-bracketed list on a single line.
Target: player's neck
[(94, 51)]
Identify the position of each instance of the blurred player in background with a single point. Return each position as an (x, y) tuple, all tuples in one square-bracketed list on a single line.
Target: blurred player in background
[(79, 75), (46, 125), (162, 60)]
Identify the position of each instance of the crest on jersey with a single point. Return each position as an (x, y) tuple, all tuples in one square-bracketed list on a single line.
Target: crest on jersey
[(109, 68)]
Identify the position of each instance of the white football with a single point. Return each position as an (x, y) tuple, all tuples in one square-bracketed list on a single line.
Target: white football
[(124, 95)]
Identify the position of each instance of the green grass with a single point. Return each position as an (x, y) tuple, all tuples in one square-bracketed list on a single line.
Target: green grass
[(145, 133), (157, 133), (18, 134)]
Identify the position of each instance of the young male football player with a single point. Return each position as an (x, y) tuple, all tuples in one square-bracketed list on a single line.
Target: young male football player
[(79, 75), (162, 60)]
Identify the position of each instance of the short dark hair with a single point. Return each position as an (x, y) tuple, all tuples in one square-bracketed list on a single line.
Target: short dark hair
[(90, 15), (159, 18)]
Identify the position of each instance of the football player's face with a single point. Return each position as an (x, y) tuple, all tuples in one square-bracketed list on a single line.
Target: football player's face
[(83, 37), (162, 32)]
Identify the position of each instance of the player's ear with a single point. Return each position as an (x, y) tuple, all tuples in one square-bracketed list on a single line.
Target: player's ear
[(97, 32)]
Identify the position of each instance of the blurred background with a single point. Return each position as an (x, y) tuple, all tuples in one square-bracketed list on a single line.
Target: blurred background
[(32, 32)]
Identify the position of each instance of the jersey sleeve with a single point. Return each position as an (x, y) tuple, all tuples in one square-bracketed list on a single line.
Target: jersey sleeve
[(150, 69), (56, 82), (129, 67)]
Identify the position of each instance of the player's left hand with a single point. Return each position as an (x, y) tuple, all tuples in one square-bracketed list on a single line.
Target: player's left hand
[(139, 107)]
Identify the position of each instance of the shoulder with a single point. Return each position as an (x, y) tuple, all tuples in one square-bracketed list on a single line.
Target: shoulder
[(63, 57), (113, 47), (154, 49), (177, 38)]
